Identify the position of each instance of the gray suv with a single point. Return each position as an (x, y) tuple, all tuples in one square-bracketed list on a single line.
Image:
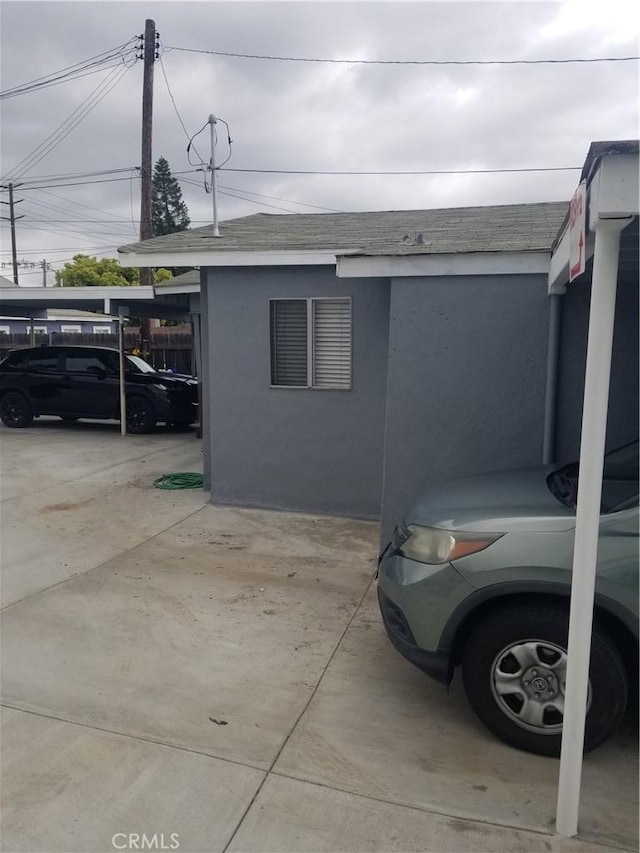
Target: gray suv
[(478, 574)]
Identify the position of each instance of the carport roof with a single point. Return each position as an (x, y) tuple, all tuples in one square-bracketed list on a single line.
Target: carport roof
[(81, 298), (502, 228)]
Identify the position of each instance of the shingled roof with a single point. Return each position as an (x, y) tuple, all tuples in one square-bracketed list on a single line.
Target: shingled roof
[(503, 228)]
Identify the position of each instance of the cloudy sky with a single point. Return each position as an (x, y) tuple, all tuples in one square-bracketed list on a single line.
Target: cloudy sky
[(307, 116)]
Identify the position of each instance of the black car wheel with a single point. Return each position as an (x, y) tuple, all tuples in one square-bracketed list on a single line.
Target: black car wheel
[(141, 416), (15, 410), (514, 671)]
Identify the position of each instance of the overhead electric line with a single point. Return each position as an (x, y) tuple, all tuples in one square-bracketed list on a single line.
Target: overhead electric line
[(69, 124), (406, 61), (78, 183), (286, 200), (110, 228), (38, 178), (108, 59), (411, 172), (175, 107), (230, 190), (106, 246), (117, 218)]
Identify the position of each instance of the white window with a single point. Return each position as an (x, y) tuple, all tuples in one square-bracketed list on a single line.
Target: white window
[(70, 330), (5, 330), (102, 330), (311, 343), (39, 330)]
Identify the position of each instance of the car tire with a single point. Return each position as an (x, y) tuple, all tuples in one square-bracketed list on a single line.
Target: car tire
[(141, 416), (513, 668), (15, 410)]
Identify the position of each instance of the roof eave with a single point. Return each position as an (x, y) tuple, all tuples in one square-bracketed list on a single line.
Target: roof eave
[(526, 262), (209, 258)]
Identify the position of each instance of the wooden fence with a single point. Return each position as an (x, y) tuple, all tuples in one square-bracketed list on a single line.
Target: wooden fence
[(167, 350)]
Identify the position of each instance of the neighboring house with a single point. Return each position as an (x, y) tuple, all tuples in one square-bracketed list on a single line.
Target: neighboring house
[(349, 358), (61, 321)]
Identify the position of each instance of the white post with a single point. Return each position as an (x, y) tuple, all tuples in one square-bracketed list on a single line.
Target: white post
[(214, 177), (592, 447), (123, 396)]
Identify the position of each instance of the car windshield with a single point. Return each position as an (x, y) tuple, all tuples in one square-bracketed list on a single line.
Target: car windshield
[(619, 483), (139, 365)]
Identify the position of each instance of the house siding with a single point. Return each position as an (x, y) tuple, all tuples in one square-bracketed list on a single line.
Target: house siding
[(466, 381), (622, 421), (291, 448)]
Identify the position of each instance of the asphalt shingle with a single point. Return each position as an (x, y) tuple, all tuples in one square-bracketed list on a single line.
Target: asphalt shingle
[(503, 228)]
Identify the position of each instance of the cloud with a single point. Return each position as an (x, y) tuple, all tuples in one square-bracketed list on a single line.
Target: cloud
[(291, 115)]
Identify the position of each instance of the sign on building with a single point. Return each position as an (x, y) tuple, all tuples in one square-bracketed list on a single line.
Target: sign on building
[(577, 231)]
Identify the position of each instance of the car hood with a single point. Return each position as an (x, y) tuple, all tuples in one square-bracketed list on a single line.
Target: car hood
[(498, 502), (171, 380)]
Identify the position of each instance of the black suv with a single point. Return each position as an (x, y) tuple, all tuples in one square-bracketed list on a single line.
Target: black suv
[(83, 382)]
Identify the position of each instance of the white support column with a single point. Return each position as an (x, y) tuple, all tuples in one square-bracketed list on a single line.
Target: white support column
[(592, 447)]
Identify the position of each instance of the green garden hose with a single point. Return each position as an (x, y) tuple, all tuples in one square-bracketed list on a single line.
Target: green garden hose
[(180, 480)]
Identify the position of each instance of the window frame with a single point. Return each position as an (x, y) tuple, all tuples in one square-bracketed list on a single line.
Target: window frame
[(310, 301), (66, 329)]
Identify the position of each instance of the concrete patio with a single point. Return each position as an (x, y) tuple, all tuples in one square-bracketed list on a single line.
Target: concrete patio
[(171, 668)]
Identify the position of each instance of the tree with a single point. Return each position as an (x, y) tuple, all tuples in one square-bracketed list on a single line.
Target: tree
[(169, 213), (85, 271)]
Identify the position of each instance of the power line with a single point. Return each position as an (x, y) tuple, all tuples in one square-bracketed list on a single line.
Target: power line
[(417, 172), (82, 232), (69, 124), (117, 219), (36, 179), (286, 200), (407, 61), (175, 107), (222, 187), (259, 203), (77, 249), (319, 172), (254, 201), (100, 62), (114, 229), (79, 183)]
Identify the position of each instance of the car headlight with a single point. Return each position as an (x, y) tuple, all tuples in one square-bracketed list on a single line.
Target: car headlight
[(435, 546)]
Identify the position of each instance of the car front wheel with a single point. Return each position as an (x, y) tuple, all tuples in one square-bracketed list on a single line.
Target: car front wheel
[(514, 672), (141, 416), (15, 410)]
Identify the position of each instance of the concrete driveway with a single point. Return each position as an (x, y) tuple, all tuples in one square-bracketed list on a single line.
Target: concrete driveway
[(182, 676)]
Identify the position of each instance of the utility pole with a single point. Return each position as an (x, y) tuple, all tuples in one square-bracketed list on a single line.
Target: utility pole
[(12, 219), (45, 267), (150, 49)]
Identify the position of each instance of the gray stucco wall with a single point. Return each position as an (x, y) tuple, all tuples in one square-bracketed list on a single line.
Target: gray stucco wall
[(622, 423), (466, 380), (308, 450)]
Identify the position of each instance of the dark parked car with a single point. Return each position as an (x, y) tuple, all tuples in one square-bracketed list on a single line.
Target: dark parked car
[(83, 382), (478, 573)]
